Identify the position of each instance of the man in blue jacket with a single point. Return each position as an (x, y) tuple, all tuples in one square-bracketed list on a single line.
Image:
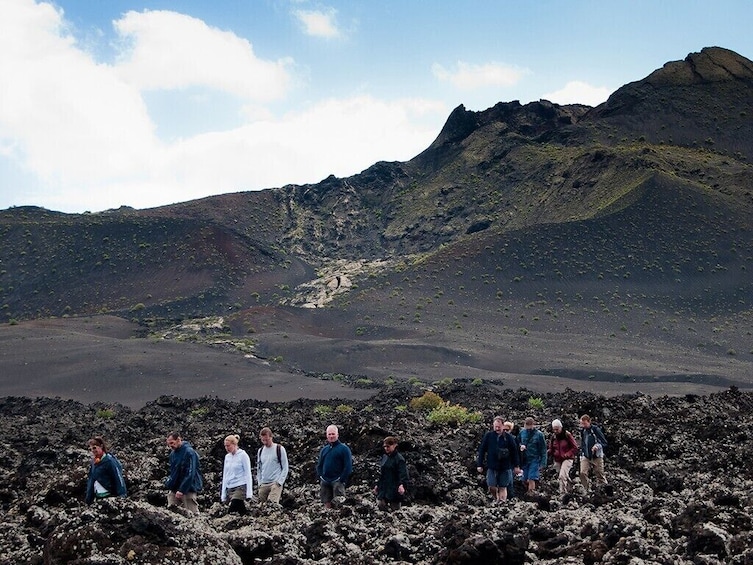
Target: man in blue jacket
[(185, 479), (592, 444), (334, 467), (502, 457), (532, 453)]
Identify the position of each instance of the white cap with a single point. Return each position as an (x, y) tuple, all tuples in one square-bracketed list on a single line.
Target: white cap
[(556, 423)]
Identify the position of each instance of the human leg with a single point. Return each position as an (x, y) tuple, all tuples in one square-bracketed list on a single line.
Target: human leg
[(585, 468), (564, 476), (190, 502), (264, 491), (275, 493), (598, 467), (326, 493), (237, 496)]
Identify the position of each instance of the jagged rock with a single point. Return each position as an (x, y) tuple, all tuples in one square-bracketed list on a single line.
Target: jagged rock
[(447, 518)]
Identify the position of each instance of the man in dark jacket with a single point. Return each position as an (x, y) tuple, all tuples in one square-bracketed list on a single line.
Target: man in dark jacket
[(502, 457), (334, 467), (185, 479), (105, 473), (393, 477), (592, 444)]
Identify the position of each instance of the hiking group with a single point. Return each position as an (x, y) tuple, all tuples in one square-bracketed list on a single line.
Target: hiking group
[(503, 456)]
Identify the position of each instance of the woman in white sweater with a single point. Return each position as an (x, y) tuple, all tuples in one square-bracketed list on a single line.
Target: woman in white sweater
[(237, 484)]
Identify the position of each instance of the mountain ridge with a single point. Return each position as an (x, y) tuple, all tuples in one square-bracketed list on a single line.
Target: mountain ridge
[(629, 221)]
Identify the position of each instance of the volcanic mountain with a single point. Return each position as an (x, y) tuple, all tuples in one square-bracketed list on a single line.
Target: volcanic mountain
[(533, 244)]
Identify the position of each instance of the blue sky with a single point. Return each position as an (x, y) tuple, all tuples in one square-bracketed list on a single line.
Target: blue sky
[(106, 103)]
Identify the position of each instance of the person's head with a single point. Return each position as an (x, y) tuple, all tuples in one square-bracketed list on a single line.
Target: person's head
[(529, 423), (333, 434), (266, 437), (231, 443), (98, 447), (390, 444), (174, 441), (508, 426), (498, 425), (585, 421), (557, 426)]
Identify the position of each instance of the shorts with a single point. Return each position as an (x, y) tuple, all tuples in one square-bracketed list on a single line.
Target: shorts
[(328, 491), (531, 471), (496, 478)]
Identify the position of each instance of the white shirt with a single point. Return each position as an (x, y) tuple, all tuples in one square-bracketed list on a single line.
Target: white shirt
[(237, 472)]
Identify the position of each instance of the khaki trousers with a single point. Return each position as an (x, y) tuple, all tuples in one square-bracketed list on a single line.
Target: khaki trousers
[(188, 501)]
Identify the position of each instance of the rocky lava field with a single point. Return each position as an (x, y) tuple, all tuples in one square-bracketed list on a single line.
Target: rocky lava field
[(681, 469)]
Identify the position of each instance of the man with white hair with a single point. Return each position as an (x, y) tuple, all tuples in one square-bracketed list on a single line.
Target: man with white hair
[(334, 467)]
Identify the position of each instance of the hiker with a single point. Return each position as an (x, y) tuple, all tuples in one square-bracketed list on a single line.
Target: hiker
[(501, 453), (271, 468), (533, 453), (334, 467), (105, 473), (512, 492), (592, 444), (393, 477), (237, 484), (563, 449), (185, 480)]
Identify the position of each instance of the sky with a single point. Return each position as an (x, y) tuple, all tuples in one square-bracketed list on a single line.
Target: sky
[(142, 103)]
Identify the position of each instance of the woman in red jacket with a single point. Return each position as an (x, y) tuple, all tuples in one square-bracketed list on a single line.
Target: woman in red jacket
[(563, 449)]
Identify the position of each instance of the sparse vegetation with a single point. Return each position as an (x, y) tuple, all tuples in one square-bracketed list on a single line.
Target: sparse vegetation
[(428, 401), (453, 414)]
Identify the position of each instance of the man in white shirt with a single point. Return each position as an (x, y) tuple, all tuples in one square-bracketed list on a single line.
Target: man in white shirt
[(271, 468)]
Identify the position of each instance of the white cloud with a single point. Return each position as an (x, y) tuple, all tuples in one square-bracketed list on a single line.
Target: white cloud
[(319, 23), (340, 137), (466, 76), (69, 118), (167, 50), (577, 92), (80, 132)]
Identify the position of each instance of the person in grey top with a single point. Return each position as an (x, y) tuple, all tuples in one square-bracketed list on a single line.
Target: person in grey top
[(271, 468)]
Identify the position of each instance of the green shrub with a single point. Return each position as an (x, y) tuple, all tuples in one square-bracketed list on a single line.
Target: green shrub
[(105, 413), (536, 402), (428, 401), (322, 410), (344, 409), (452, 414), (478, 381)]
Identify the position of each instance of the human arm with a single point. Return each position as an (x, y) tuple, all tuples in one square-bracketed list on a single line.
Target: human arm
[(247, 472), (190, 474), (347, 465), (403, 475), (89, 498), (482, 450), (118, 479), (284, 465)]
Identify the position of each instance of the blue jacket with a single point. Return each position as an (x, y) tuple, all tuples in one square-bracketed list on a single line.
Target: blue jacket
[(535, 446), (590, 437), (490, 445), (185, 473), (108, 472), (335, 463)]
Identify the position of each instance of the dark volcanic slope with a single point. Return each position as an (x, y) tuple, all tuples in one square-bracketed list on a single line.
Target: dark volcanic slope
[(528, 240)]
